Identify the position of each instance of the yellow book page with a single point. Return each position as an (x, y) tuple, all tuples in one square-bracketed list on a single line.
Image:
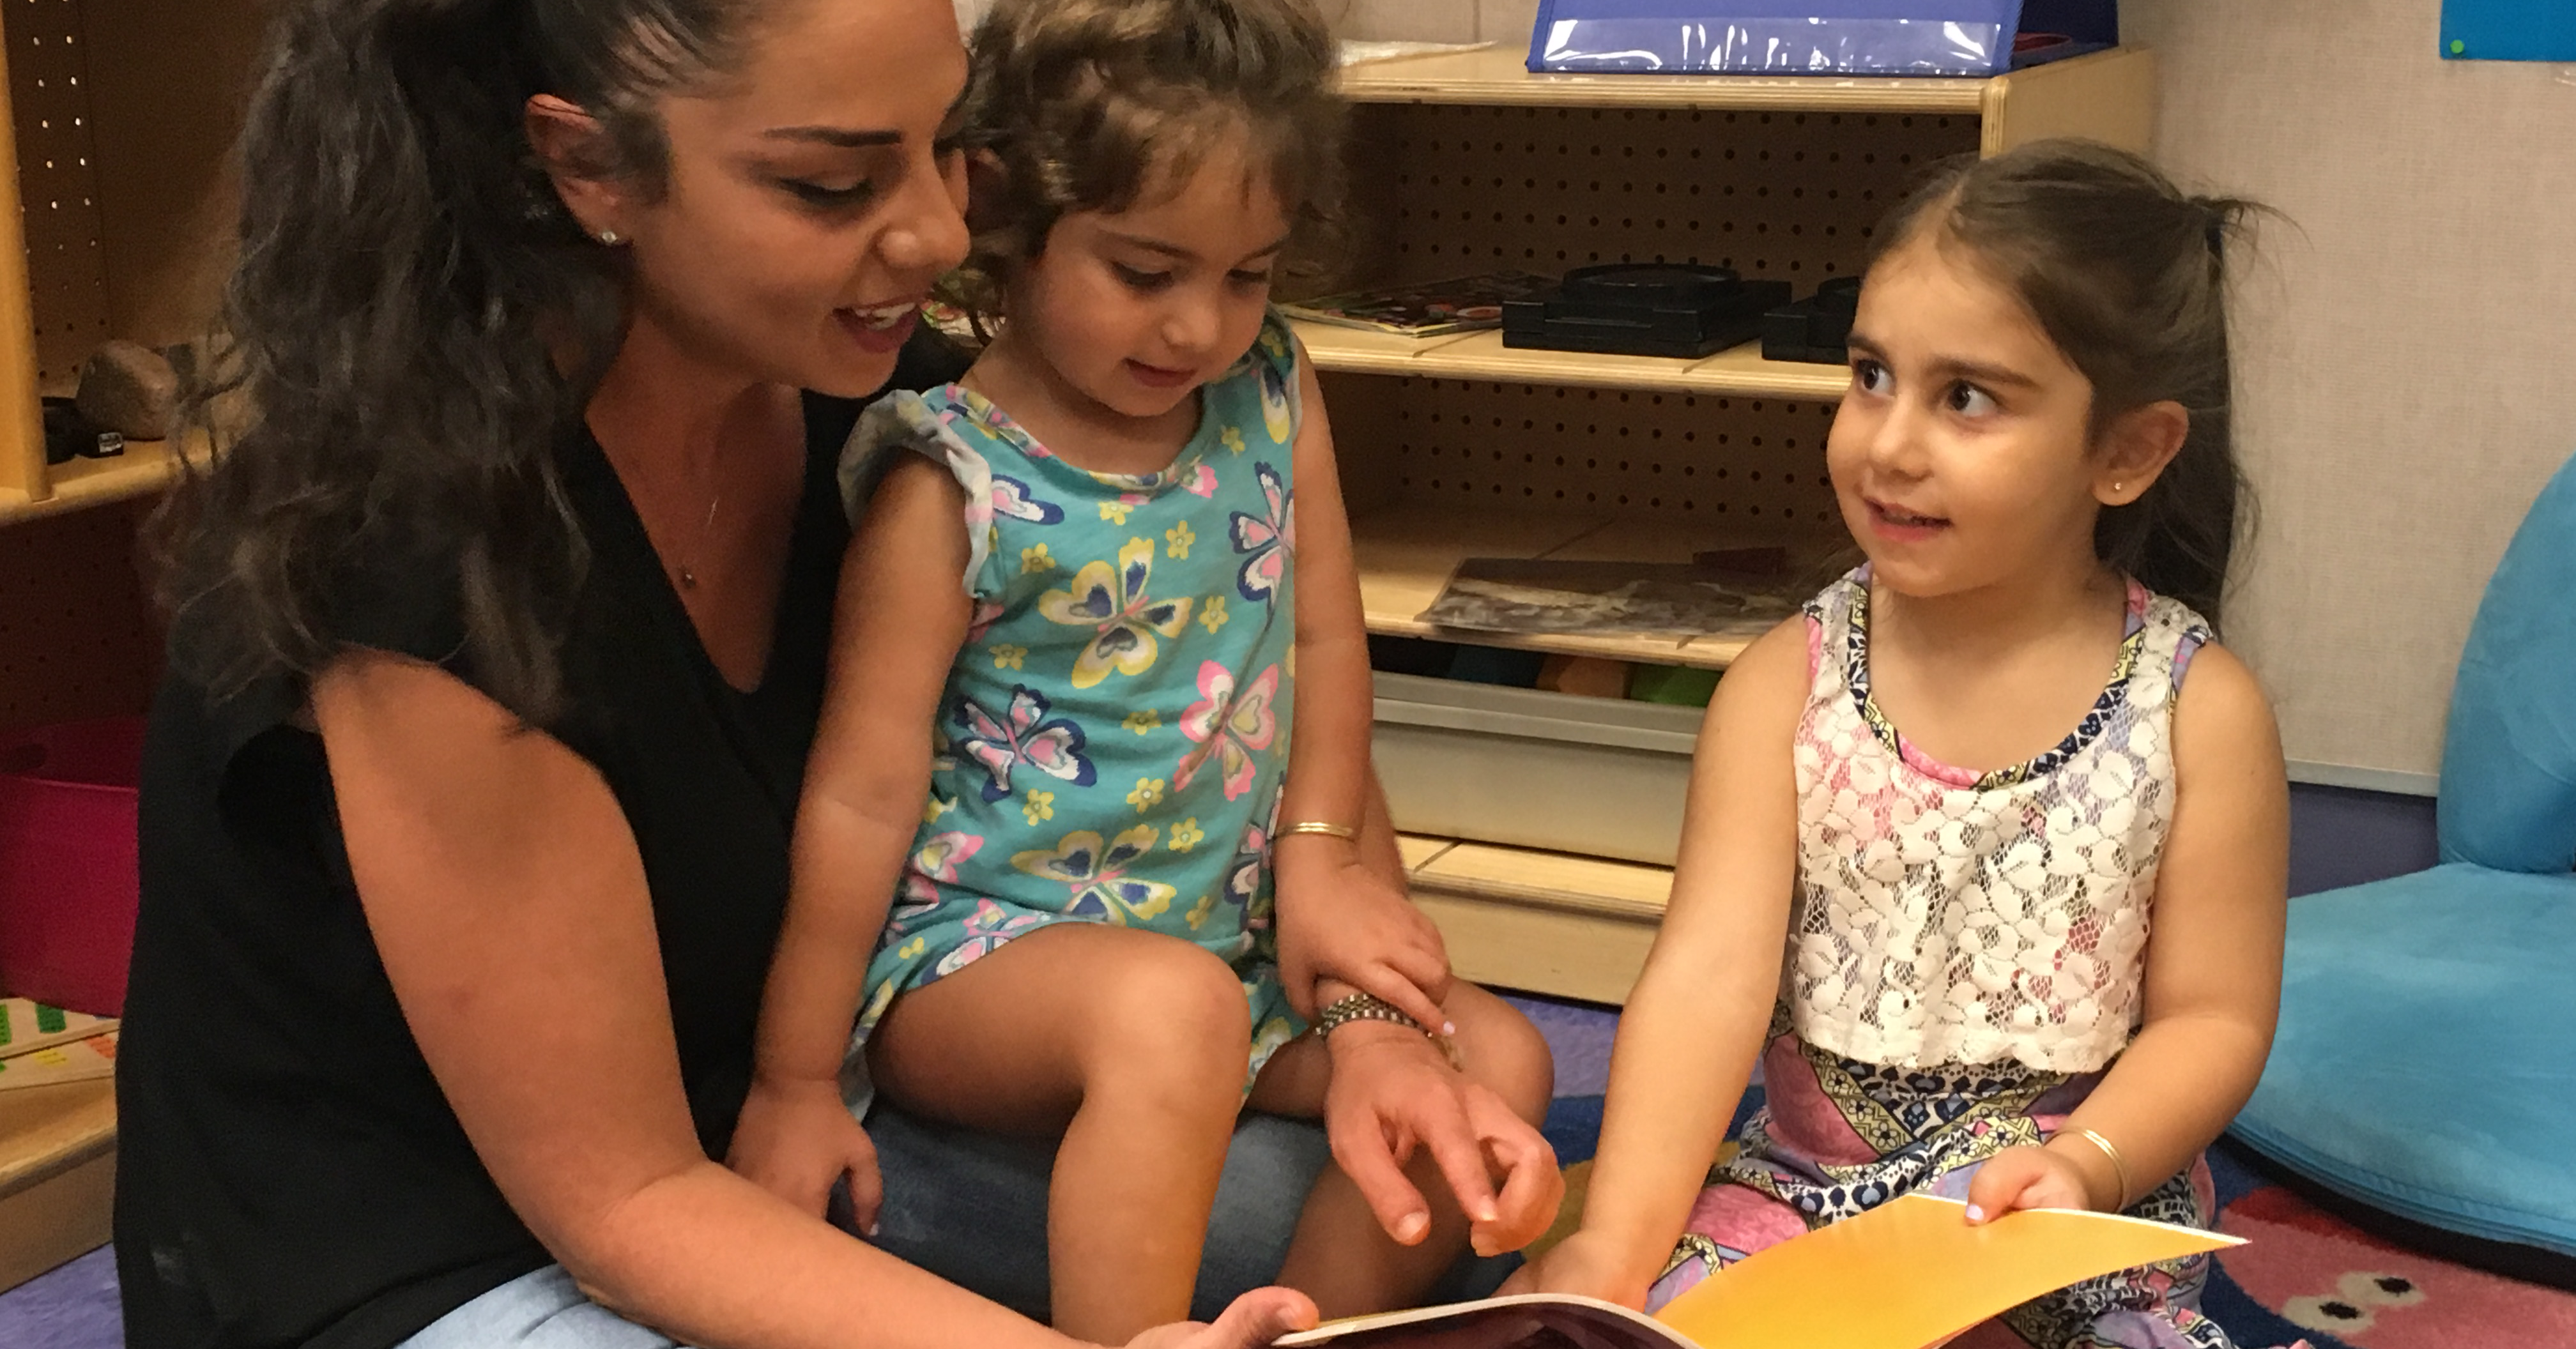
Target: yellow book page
[(1913, 1273)]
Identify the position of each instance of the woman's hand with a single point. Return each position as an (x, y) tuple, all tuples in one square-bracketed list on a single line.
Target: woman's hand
[(2029, 1177), (1391, 1092), (1254, 1319), (1584, 1265), (795, 1139), (1339, 919)]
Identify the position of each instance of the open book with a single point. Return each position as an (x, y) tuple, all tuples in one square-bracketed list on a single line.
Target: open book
[(1909, 1274)]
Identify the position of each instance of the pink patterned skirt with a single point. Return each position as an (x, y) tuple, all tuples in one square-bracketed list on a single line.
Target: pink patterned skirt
[(1836, 1137)]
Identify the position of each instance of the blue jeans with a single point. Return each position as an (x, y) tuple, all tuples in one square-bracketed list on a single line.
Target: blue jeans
[(971, 1208)]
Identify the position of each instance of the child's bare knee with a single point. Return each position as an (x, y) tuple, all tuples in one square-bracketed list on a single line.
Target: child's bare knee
[(1171, 1010), (1503, 1051)]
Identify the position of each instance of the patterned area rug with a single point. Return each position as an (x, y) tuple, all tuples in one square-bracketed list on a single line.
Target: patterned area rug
[(2305, 1272)]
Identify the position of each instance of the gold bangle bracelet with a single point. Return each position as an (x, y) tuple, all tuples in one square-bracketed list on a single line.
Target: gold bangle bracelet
[(2119, 1167), (1326, 827)]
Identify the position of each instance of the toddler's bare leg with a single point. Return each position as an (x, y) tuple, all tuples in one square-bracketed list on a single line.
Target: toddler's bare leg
[(1132, 1044), (1341, 1257)]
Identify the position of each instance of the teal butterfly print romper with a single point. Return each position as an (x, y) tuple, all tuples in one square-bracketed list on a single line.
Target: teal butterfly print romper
[(1112, 737)]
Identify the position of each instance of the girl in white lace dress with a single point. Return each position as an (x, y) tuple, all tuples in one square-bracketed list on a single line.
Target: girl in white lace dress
[(2031, 914)]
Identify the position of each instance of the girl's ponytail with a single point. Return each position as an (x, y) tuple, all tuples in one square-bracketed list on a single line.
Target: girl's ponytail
[(414, 321)]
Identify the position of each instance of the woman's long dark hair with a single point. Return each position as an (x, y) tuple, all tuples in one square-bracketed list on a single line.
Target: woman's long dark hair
[(413, 323), (2127, 274)]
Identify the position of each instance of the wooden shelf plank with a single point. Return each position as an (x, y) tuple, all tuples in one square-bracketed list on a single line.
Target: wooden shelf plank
[(1406, 556), (1418, 850), (146, 467), (1631, 891), (2107, 96), (1552, 923), (48, 1130), (1499, 75), (57, 1174), (1482, 356)]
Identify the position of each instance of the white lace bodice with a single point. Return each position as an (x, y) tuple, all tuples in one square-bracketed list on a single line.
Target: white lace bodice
[(1949, 918)]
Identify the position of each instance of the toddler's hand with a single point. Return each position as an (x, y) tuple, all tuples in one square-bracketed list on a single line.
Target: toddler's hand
[(1252, 1320), (1584, 1266), (2028, 1177), (1340, 920), (794, 1139)]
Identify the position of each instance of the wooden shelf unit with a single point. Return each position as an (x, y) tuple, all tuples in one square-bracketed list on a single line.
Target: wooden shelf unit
[(145, 469), (57, 1172), (1457, 447), (116, 159), (1482, 356), (1406, 557), (118, 156), (1557, 923)]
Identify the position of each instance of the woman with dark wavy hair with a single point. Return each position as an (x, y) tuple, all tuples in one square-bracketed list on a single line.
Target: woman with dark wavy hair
[(497, 644)]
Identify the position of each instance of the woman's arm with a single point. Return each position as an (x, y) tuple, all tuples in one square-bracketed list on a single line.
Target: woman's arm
[(1694, 1024), (508, 902), (1343, 924), (2213, 967), (900, 619)]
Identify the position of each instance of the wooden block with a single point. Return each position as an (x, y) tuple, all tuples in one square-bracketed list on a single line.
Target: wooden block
[(56, 1220), (57, 1175)]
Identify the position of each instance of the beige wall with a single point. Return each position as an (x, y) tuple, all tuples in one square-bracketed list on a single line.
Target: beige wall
[(2407, 355)]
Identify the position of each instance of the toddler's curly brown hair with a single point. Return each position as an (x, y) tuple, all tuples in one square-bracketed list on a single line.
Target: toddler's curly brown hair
[(1098, 105)]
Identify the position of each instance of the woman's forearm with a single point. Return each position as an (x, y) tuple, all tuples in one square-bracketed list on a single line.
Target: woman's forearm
[(709, 1258)]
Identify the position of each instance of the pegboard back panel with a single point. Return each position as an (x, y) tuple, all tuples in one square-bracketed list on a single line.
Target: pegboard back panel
[(77, 635), (1753, 465), (49, 99), (1793, 196), (173, 80)]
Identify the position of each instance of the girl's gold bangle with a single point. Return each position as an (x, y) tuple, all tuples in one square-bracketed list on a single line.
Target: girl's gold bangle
[(2119, 1167)]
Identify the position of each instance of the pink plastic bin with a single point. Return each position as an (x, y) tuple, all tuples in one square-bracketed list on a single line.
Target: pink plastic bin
[(67, 868)]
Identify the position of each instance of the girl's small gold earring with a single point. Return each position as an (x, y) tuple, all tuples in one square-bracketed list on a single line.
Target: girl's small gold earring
[(608, 237)]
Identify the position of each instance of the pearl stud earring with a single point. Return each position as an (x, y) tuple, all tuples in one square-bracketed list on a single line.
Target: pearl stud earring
[(608, 237)]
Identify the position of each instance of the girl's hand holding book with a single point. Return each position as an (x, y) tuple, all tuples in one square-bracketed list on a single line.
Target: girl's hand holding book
[(2042, 1177), (1586, 1264), (1252, 1320)]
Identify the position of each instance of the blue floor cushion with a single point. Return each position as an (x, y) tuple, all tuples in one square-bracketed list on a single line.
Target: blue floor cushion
[(2426, 1060)]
